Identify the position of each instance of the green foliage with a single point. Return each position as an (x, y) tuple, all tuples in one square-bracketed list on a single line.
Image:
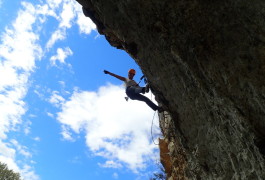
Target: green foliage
[(6, 174)]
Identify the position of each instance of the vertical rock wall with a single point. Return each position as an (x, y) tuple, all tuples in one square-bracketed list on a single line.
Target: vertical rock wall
[(205, 61)]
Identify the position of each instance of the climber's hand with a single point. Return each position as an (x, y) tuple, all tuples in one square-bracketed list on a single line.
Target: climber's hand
[(106, 72)]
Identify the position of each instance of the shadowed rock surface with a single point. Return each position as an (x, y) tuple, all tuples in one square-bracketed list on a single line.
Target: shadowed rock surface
[(205, 61)]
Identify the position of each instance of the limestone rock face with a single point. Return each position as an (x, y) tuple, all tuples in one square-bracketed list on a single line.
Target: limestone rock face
[(205, 61)]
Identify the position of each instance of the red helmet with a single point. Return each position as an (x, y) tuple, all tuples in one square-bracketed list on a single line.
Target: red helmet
[(132, 71)]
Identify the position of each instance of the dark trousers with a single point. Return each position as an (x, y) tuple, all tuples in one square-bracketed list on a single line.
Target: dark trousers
[(134, 94)]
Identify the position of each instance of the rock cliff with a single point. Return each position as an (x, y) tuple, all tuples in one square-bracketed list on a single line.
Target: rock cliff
[(205, 61)]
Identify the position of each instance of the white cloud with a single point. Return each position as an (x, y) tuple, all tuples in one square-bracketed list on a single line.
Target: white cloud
[(10, 163), (21, 149), (54, 3), (85, 24), (67, 14), (7, 156), (37, 139), (19, 50), (50, 115), (61, 55), (66, 133), (70, 13), (62, 83), (27, 173), (73, 10), (6, 151), (56, 99), (19, 44), (44, 11), (26, 126), (59, 34), (110, 164), (115, 129)]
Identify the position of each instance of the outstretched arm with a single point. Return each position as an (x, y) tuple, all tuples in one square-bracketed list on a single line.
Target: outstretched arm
[(115, 75)]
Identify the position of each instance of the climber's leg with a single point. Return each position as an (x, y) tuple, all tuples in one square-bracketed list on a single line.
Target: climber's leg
[(145, 99)]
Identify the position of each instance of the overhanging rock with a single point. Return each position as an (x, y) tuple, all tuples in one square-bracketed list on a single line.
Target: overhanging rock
[(205, 61)]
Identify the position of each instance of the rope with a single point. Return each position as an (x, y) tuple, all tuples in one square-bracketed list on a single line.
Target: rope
[(152, 123), (153, 117), (152, 129)]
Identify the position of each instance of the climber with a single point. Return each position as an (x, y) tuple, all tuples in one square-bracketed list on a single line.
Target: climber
[(133, 90)]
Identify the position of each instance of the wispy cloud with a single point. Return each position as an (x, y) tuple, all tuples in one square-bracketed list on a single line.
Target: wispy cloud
[(59, 34), (37, 139), (115, 129), (66, 133), (8, 153), (61, 55), (54, 4), (19, 50), (23, 150), (70, 14), (56, 99), (110, 164)]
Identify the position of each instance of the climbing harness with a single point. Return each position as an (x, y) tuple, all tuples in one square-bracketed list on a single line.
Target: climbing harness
[(142, 78)]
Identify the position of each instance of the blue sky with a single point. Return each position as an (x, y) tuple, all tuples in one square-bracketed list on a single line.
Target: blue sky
[(61, 117)]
